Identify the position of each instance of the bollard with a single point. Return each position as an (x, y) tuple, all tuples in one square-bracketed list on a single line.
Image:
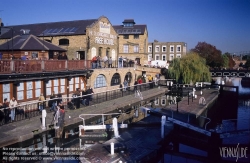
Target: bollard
[(163, 121), (115, 127), (44, 114), (112, 148)]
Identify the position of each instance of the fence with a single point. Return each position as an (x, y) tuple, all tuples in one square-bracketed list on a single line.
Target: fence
[(31, 66), (30, 109)]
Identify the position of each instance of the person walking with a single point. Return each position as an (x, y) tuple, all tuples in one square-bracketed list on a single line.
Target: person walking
[(41, 100), (13, 105), (110, 62), (6, 111), (52, 102), (120, 60), (125, 84)]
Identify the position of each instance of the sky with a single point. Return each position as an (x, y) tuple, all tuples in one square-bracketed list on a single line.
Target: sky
[(224, 24)]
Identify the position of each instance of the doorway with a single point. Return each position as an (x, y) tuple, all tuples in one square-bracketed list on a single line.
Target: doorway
[(82, 55)]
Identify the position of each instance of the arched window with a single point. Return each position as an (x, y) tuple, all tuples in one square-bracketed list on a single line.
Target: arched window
[(64, 41), (116, 79), (100, 81), (93, 52)]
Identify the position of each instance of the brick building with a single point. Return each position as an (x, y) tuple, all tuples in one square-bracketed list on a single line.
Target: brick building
[(166, 51)]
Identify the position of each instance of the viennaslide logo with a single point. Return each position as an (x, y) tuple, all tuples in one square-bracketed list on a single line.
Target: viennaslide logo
[(233, 152)]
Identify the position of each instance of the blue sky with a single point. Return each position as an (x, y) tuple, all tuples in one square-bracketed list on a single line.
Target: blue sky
[(222, 23)]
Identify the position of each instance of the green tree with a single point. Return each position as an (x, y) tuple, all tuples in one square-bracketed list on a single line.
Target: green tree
[(190, 68), (210, 53), (225, 61), (247, 64)]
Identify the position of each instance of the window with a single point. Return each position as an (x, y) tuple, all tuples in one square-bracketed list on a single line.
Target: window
[(93, 52), (157, 57), (171, 57), (64, 42), (136, 48), (178, 48), (125, 48), (125, 36), (29, 88), (71, 84), (157, 49), (136, 36), (171, 48), (6, 91), (100, 51), (55, 84), (20, 91), (38, 88), (150, 57), (164, 49), (48, 87), (150, 49), (34, 55), (77, 82), (62, 87), (164, 57), (100, 81), (178, 55), (116, 79)]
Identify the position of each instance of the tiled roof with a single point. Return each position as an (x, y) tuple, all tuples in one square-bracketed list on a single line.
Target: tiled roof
[(29, 42), (77, 27)]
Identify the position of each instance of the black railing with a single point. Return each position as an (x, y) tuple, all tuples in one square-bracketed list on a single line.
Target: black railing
[(29, 110)]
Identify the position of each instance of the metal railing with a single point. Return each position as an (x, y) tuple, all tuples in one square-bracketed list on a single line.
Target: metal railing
[(31, 66), (30, 109)]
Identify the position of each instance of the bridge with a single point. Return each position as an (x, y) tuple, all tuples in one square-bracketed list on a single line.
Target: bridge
[(230, 73)]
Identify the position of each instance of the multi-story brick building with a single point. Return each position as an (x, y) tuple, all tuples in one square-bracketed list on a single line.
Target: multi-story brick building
[(133, 40), (166, 51)]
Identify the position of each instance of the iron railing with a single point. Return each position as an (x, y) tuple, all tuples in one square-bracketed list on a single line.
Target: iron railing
[(30, 109)]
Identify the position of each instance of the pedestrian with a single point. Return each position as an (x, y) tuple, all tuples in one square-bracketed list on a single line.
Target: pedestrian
[(77, 99), (110, 62), (52, 102), (125, 84), (98, 62), (120, 60), (120, 87), (59, 97), (94, 62), (6, 111), (41, 100), (13, 104), (135, 85), (61, 115), (105, 61)]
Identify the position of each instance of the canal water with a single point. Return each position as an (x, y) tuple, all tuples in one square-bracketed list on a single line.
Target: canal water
[(231, 112)]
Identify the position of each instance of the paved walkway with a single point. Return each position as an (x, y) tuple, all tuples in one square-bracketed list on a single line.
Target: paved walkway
[(23, 130)]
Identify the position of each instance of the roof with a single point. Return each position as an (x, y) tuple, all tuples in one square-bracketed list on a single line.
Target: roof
[(77, 27), (135, 29), (29, 42)]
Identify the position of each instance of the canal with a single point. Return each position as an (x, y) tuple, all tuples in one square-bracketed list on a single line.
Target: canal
[(231, 112)]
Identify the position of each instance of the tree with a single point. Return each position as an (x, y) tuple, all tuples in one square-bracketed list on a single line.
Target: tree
[(225, 61), (247, 64), (210, 53), (190, 68)]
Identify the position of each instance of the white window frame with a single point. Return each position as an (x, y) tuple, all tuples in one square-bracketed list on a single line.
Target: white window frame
[(157, 56), (125, 48), (164, 55), (163, 48), (20, 91), (149, 48), (136, 48), (29, 89), (171, 57), (62, 85), (170, 49), (149, 57), (178, 55), (38, 86), (6, 91), (157, 48), (163, 104), (178, 46)]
